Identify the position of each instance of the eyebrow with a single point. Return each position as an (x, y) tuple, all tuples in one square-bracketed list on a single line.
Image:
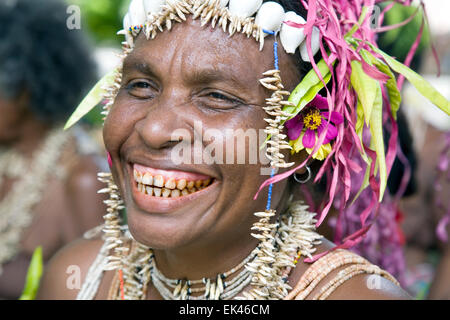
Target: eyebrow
[(210, 75), (201, 76), (141, 67)]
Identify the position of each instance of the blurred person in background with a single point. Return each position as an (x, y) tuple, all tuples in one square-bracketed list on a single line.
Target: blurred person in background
[(48, 177)]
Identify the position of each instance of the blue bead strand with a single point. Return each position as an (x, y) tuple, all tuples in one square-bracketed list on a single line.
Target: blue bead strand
[(276, 65)]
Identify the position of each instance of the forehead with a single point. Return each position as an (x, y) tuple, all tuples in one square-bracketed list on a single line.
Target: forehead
[(189, 47)]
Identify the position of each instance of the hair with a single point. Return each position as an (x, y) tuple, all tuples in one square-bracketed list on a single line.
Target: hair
[(41, 57)]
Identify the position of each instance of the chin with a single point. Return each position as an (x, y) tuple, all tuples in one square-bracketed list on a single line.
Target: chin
[(168, 232)]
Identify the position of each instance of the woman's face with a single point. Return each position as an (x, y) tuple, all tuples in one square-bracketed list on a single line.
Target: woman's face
[(177, 89)]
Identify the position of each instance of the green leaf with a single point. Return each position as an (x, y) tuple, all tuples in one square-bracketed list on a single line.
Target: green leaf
[(307, 90), (395, 97), (376, 143), (365, 87), (376, 130), (33, 276), (365, 182), (423, 86), (93, 98), (359, 129)]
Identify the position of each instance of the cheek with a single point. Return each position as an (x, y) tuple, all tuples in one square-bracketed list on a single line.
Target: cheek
[(119, 125)]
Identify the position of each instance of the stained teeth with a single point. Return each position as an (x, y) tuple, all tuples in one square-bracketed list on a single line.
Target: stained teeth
[(157, 192), (206, 182), (192, 190), (198, 184), (166, 193), (159, 181), (181, 184), (171, 184), (137, 176), (147, 179), (175, 193), (155, 186)]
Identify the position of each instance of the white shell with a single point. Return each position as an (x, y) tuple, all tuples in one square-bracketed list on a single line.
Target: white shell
[(126, 23), (270, 16), (222, 3), (244, 8), (315, 45), (292, 37), (126, 28), (153, 6), (137, 13)]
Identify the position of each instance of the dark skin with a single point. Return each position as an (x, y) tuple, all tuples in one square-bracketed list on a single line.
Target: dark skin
[(175, 89), (67, 208)]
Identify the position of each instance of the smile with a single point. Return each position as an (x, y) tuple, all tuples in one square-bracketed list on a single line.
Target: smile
[(168, 184)]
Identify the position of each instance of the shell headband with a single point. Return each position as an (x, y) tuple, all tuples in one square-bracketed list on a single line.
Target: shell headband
[(362, 90), (251, 17)]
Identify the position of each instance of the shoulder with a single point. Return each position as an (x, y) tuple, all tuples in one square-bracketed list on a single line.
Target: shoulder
[(82, 174), (67, 270), (355, 281)]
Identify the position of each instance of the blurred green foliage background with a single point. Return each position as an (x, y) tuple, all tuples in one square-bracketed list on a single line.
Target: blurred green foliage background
[(102, 19)]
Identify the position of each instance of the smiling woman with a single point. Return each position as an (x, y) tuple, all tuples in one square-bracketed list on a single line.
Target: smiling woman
[(195, 231)]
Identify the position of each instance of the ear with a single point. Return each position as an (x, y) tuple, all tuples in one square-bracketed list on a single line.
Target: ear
[(299, 158)]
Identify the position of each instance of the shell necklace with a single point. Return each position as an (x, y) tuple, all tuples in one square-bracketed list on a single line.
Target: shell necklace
[(16, 208), (294, 236)]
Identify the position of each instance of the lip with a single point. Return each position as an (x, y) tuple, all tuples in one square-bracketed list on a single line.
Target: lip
[(162, 205)]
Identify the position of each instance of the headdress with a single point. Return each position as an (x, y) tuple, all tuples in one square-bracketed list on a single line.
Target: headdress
[(362, 91)]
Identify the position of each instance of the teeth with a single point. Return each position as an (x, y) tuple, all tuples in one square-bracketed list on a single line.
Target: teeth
[(137, 176), (171, 188), (175, 193), (147, 179), (157, 192), (166, 193), (159, 181), (181, 184), (171, 184), (206, 182), (198, 184), (192, 190)]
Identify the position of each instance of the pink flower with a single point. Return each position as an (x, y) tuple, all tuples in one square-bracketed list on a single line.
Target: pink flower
[(313, 120)]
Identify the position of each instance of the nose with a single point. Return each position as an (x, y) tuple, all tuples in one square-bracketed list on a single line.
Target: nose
[(165, 118)]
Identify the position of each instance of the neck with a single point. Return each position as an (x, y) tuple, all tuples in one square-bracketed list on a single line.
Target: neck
[(211, 257)]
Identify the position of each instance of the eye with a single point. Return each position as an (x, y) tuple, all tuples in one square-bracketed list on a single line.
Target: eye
[(219, 96), (142, 89), (224, 98)]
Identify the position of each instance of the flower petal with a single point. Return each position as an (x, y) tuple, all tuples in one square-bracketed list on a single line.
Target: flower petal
[(309, 139), (294, 129), (332, 133), (319, 102), (336, 117), (292, 123)]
